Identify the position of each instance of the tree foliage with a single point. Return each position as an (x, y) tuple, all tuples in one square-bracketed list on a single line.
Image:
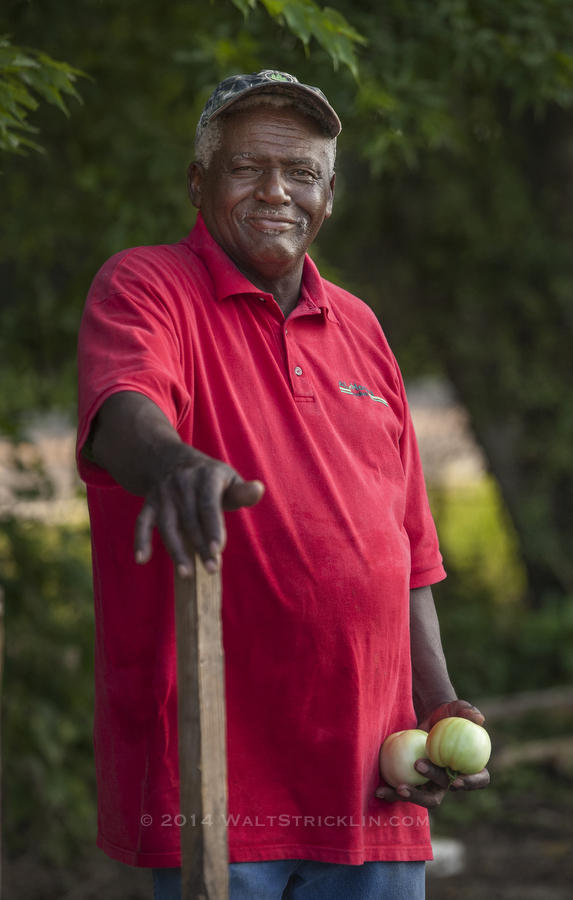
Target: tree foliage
[(306, 20), (433, 74), (48, 777), (24, 75), (469, 178), (453, 216)]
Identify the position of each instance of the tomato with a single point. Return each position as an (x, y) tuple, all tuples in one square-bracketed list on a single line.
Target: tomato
[(398, 754), (458, 744)]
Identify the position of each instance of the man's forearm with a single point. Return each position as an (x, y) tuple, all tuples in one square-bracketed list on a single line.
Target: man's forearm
[(133, 440), (185, 491), (431, 683)]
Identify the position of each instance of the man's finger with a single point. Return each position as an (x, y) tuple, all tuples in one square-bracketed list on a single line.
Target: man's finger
[(143, 532), (461, 708), (169, 528), (387, 793), (429, 797), (471, 782), (465, 710), (210, 514), (192, 519), (435, 774)]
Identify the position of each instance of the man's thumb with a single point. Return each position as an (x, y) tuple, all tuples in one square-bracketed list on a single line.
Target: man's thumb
[(243, 493)]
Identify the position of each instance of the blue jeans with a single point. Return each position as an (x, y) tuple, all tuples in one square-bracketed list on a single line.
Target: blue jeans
[(295, 879)]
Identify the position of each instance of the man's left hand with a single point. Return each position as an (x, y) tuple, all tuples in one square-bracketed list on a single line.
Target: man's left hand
[(433, 792)]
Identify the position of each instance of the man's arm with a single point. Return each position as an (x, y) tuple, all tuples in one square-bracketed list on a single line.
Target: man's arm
[(185, 490), (434, 698), (431, 685)]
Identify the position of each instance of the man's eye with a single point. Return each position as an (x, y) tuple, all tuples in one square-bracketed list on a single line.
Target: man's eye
[(245, 170), (305, 174)]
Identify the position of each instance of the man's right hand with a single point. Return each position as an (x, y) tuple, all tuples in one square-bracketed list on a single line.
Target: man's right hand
[(186, 506), (185, 490)]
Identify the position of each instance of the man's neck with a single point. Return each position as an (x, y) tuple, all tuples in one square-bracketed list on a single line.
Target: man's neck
[(285, 289), (287, 299)]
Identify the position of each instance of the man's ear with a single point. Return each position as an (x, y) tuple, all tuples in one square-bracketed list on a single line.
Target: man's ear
[(330, 202), (195, 174)]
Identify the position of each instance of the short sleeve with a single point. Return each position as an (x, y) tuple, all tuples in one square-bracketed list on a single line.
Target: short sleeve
[(128, 341), (426, 559)]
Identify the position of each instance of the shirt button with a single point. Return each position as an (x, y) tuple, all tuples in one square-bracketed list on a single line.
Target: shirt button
[(297, 370), (263, 299)]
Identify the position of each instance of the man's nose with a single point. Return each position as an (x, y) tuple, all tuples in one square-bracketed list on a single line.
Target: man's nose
[(271, 187)]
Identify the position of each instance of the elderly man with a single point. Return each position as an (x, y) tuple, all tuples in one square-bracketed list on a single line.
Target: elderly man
[(226, 357)]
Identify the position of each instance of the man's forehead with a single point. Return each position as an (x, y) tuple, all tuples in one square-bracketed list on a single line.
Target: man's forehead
[(277, 132), (252, 154), (252, 130), (263, 147)]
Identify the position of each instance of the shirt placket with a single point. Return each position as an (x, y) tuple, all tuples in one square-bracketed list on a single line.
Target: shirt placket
[(299, 373)]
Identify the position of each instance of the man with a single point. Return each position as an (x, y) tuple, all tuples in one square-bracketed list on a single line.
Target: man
[(227, 357)]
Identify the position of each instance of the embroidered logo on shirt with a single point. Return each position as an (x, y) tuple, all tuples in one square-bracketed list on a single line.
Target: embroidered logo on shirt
[(358, 390)]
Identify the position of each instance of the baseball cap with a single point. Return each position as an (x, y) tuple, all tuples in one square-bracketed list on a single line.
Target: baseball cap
[(269, 81)]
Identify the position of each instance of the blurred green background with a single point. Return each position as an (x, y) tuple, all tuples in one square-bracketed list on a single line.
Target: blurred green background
[(453, 220)]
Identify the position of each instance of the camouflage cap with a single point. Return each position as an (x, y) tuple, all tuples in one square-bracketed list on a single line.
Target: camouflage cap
[(269, 81)]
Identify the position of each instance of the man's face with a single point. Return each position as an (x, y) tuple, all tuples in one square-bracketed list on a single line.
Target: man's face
[(267, 190)]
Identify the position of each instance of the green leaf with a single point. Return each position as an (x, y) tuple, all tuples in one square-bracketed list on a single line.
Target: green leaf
[(244, 6), (306, 20), (23, 73)]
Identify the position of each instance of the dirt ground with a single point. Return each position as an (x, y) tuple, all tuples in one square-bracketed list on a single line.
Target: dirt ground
[(519, 847), (500, 866)]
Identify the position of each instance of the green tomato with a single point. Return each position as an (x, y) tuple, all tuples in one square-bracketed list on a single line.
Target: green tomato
[(398, 754), (458, 744)]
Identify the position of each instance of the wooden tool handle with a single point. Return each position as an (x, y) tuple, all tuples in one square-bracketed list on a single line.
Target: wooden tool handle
[(202, 736)]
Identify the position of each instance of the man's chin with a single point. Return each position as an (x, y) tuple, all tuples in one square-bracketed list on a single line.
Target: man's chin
[(279, 247), (272, 261)]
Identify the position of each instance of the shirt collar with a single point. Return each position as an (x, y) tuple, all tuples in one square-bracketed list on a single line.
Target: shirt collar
[(228, 281), (313, 290)]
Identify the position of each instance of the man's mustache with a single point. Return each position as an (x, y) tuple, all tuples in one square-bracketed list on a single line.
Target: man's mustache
[(277, 214)]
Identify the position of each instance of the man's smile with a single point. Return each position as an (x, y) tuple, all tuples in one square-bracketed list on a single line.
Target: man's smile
[(272, 224)]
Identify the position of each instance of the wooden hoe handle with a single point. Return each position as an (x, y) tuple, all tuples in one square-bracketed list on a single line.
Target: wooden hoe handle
[(202, 736)]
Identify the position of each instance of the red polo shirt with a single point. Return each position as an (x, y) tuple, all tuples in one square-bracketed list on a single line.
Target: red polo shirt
[(316, 577)]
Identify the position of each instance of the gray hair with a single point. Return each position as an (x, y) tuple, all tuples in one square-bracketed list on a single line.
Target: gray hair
[(209, 139)]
